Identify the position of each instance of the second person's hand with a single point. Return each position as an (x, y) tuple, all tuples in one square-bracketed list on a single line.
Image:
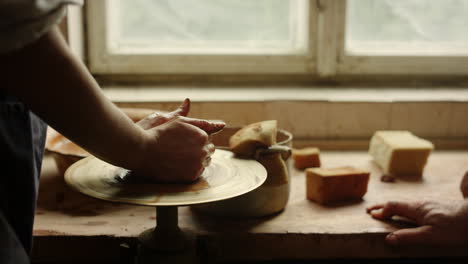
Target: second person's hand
[(439, 223)]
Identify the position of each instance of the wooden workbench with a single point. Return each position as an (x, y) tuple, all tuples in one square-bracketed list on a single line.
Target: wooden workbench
[(70, 226)]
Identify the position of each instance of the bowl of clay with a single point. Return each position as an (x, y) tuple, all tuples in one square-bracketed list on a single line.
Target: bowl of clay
[(65, 152), (270, 198)]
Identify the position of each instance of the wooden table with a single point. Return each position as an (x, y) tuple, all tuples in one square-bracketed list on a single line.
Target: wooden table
[(70, 226)]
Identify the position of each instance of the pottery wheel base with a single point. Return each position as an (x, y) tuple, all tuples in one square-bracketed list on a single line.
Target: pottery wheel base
[(166, 236), (166, 243)]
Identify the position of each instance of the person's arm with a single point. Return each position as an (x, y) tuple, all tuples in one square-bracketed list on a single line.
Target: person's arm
[(59, 88)]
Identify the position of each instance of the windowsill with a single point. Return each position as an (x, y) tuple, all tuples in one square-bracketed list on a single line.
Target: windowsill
[(331, 118), (253, 94)]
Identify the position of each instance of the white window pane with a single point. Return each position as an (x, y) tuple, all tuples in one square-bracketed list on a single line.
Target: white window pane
[(407, 27), (208, 26)]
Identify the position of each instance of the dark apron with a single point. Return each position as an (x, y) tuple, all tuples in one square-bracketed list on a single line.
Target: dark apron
[(22, 138)]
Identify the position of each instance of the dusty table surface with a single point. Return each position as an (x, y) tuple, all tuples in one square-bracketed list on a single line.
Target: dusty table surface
[(68, 223)]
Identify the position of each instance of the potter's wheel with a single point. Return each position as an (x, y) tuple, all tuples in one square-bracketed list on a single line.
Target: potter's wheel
[(226, 177)]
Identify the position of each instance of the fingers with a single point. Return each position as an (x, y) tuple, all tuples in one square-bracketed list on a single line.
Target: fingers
[(414, 211), (464, 185), (183, 109), (180, 114), (209, 127), (422, 235), (210, 147), (157, 118), (207, 161)]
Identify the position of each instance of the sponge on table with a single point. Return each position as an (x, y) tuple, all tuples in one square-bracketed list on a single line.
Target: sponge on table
[(247, 140), (306, 158), (400, 152), (327, 185)]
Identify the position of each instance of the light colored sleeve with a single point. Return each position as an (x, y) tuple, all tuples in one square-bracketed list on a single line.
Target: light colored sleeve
[(24, 21)]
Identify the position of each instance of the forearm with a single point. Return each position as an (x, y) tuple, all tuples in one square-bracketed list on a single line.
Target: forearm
[(59, 88)]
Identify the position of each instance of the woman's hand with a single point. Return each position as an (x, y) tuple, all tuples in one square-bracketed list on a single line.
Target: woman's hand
[(177, 148), (159, 118), (438, 223)]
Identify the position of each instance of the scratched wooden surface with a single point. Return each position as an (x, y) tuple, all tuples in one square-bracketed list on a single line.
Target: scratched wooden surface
[(304, 230)]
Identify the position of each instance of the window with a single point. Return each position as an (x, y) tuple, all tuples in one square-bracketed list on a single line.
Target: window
[(407, 28), (309, 37), (198, 36), (405, 36)]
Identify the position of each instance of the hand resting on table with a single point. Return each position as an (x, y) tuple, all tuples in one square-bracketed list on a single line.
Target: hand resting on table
[(439, 223)]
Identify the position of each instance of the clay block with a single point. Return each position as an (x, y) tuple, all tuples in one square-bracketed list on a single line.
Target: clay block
[(306, 158)]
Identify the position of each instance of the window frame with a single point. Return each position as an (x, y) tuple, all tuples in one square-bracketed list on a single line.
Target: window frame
[(390, 64), (102, 60), (325, 58)]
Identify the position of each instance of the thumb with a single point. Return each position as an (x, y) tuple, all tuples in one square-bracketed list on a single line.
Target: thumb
[(183, 109), (209, 126), (422, 235), (158, 118)]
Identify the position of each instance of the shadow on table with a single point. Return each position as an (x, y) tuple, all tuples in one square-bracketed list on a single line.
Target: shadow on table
[(229, 224)]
